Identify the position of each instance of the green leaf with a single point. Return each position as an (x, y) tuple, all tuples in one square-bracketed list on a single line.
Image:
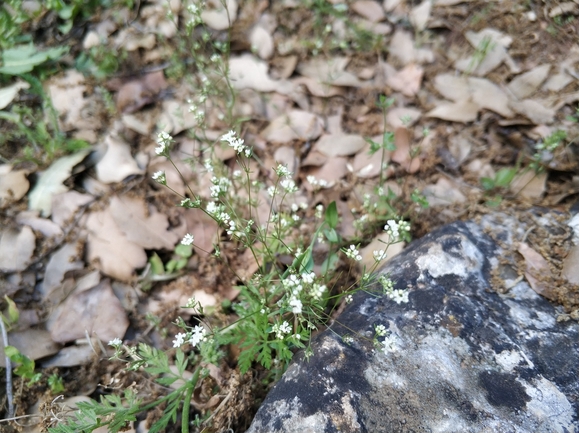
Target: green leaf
[(24, 58), (184, 250), (332, 215), (12, 311), (504, 177), (331, 236), (487, 183), (157, 264)]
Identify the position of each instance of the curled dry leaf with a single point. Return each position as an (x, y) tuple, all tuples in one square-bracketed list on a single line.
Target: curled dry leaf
[(134, 94), (16, 248), (248, 72), (7, 94), (529, 184), (329, 71), (295, 125), (261, 42), (33, 343), (65, 259), (443, 193), (13, 184), (369, 9), (96, 311), (117, 162), (526, 84), (407, 80), (109, 249), (400, 117), (340, 144), (538, 272), (402, 155), (51, 182), (534, 110), (45, 226), (141, 224), (463, 111), (420, 15), (220, 15)]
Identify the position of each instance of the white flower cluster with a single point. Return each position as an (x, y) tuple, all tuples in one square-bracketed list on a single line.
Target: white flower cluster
[(352, 253), (397, 295), (196, 336), (396, 229), (380, 330), (187, 239), (115, 342), (299, 286), (220, 186), (164, 141), (236, 143), (316, 183), (379, 255), (282, 171), (289, 185), (159, 176), (319, 211), (390, 344), (281, 330)]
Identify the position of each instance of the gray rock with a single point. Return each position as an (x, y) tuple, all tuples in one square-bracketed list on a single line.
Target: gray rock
[(464, 358)]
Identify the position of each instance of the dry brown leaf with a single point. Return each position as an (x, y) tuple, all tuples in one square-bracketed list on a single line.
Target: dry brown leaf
[(481, 91), (401, 116), (460, 147), (369, 9), (402, 48), (68, 98), (407, 80), (33, 343), (529, 184), (443, 193), (249, 72), (496, 53), (96, 311), (286, 155), (42, 225), (66, 204), (526, 84), (66, 258), (203, 228), (463, 111), (317, 88), (51, 181), (16, 248), (134, 94), (141, 224), (315, 159), (537, 270), (534, 110), (570, 269), (108, 248), (261, 42), (401, 155), (329, 71), (217, 15), (117, 163), (368, 166), (420, 15), (295, 125), (340, 144), (332, 171), (13, 184), (7, 94)]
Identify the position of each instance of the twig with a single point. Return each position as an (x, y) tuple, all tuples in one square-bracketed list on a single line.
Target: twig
[(9, 395)]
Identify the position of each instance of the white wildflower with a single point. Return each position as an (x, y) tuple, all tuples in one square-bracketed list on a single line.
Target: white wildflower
[(115, 342), (390, 344), (282, 171), (187, 239), (198, 335), (352, 253), (160, 177), (380, 330), (399, 296), (319, 211), (379, 255), (164, 141), (296, 305), (179, 339)]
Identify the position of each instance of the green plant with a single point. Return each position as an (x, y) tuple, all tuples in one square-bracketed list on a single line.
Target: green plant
[(55, 383), (25, 368)]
